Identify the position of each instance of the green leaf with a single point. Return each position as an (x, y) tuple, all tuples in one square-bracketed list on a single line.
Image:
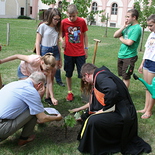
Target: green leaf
[(77, 115), (70, 121)]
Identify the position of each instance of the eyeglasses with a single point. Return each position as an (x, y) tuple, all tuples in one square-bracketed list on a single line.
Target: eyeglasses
[(56, 19)]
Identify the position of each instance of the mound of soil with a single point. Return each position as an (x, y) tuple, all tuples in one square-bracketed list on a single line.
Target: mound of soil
[(59, 134)]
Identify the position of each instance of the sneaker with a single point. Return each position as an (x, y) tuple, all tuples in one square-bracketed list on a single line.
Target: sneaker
[(70, 97), (48, 100), (61, 84)]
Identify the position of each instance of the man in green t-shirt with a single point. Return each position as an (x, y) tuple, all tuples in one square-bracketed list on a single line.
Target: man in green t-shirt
[(130, 35)]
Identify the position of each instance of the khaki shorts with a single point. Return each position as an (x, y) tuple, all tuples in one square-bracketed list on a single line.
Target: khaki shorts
[(126, 67)]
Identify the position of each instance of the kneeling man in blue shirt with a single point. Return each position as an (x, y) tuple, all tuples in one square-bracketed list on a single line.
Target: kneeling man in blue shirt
[(21, 107)]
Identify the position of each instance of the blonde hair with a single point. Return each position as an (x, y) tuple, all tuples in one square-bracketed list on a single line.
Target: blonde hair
[(49, 59)]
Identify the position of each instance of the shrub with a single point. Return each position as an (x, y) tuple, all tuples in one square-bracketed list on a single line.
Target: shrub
[(23, 17)]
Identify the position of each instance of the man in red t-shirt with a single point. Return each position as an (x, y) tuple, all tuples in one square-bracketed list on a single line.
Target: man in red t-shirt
[(75, 45)]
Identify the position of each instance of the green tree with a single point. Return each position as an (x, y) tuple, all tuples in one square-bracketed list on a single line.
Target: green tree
[(48, 2), (90, 19), (145, 9), (82, 6), (105, 18)]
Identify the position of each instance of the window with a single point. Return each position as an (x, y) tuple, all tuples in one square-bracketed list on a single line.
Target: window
[(30, 10), (94, 6), (114, 9), (22, 11), (112, 24)]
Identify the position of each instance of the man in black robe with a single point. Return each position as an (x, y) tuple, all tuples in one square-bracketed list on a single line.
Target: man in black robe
[(110, 123)]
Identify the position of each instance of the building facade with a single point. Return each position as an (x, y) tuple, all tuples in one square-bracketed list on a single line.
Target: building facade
[(115, 10)]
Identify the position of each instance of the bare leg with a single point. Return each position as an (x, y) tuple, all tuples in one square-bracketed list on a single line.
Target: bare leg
[(69, 83), (127, 82), (149, 101), (147, 95)]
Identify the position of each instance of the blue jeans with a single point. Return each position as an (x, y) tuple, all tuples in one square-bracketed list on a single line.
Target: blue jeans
[(54, 50), (58, 76)]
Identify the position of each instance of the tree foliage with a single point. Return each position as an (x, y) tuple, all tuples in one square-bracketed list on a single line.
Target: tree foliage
[(48, 2), (145, 9), (83, 7)]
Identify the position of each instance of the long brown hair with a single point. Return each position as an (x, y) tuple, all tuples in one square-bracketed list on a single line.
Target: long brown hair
[(51, 12), (89, 69)]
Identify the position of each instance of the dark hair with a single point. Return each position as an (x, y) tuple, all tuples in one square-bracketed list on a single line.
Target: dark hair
[(134, 12), (152, 18), (51, 12), (47, 13), (87, 68)]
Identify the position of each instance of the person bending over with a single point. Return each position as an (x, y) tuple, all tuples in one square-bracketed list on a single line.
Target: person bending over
[(110, 122), (22, 108)]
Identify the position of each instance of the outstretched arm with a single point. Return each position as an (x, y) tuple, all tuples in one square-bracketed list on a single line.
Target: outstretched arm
[(14, 57), (42, 117), (80, 108), (49, 89)]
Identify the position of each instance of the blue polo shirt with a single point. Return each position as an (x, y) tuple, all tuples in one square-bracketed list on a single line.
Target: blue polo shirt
[(18, 96)]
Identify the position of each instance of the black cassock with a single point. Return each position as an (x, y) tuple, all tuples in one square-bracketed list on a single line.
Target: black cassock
[(111, 132)]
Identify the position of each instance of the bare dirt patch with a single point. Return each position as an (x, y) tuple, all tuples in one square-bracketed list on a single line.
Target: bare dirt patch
[(58, 134)]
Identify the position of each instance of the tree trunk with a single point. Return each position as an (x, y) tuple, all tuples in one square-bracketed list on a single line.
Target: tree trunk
[(0, 82), (141, 44)]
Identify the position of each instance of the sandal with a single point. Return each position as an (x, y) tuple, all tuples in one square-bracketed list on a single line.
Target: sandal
[(144, 116)]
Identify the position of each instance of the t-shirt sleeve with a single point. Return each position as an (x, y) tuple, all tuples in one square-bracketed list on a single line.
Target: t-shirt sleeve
[(85, 28), (33, 100), (40, 29)]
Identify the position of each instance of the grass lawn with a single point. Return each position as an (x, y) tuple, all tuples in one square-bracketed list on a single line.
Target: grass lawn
[(50, 137)]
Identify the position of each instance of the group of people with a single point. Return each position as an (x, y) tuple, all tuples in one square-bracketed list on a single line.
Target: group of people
[(36, 72), (130, 35), (109, 124)]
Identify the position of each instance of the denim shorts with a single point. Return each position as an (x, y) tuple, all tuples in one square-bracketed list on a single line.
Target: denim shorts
[(20, 74), (53, 49), (149, 65)]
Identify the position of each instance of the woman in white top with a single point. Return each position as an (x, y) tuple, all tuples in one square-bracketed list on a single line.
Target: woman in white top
[(147, 67)]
